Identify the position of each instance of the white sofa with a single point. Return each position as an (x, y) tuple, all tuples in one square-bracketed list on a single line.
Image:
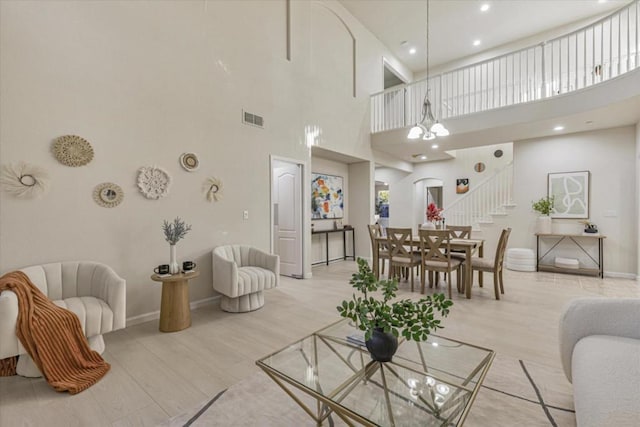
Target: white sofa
[(93, 291), (600, 349), (241, 273)]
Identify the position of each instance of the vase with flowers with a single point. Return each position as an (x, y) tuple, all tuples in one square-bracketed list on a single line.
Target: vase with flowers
[(173, 232), (433, 215)]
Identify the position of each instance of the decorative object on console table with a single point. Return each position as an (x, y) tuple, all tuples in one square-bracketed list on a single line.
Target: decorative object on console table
[(382, 321), (570, 191), (173, 232), (544, 206), (589, 227)]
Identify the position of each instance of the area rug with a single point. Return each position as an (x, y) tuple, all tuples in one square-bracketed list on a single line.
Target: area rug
[(514, 393)]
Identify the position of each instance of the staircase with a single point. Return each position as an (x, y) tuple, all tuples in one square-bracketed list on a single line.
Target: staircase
[(490, 199)]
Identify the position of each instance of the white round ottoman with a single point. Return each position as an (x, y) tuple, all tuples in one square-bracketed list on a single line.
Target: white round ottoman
[(521, 259)]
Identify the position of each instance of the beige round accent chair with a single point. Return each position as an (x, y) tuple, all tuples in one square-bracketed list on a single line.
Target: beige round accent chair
[(93, 291), (241, 273)]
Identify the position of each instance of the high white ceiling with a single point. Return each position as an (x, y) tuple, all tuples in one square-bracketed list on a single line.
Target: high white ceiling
[(455, 24)]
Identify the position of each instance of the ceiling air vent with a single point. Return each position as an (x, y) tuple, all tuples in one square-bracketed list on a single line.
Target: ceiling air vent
[(252, 119)]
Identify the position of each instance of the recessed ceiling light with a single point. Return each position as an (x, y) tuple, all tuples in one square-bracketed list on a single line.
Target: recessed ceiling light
[(385, 183), (485, 7), (602, 1), (558, 128), (434, 146), (412, 51), (423, 157), (476, 42)]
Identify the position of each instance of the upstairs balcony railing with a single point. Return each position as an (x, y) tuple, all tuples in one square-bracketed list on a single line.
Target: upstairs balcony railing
[(582, 58)]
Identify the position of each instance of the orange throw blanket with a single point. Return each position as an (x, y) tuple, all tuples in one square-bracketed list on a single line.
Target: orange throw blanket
[(53, 338)]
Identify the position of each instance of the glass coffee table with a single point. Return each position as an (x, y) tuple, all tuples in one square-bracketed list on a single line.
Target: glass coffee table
[(431, 383)]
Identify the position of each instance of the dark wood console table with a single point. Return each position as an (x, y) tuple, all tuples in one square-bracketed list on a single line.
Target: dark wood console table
[(599, 263), (344, 242)]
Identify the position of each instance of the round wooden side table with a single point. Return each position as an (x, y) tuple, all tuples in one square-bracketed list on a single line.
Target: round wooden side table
[(175, 313)]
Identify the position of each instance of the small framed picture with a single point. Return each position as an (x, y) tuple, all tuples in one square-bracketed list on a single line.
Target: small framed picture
[(462, 185)]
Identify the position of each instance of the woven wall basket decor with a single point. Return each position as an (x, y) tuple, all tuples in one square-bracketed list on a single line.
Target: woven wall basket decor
[(108, 194), (189, 161), (212, 188), (72, 150), (24, 180), (153, 182)]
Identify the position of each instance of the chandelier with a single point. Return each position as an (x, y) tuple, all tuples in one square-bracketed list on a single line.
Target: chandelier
[(429, 127)]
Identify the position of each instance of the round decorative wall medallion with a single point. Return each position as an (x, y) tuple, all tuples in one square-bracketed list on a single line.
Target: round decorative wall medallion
[(479, 167), (189, 161), (24, 180), (72, 150), (498, 153), (108, 194), (213, 189), (153, 182)]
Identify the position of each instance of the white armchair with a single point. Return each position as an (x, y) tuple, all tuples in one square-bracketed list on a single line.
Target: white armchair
[(241, 273), (93, 291), (600, 349)]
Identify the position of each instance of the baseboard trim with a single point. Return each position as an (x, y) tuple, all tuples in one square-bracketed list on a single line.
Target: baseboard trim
[(617, 275), (155, 315)]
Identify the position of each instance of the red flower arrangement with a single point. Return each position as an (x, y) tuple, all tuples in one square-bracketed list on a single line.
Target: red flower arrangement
[(433, 212)]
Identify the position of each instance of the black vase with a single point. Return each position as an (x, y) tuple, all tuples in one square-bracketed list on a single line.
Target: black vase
[(381, 345)]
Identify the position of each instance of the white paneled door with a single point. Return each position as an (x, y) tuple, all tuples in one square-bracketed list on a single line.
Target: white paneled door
[(287, 216)]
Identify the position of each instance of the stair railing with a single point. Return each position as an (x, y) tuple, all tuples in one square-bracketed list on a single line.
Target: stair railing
[(590, 55), (490, 196)]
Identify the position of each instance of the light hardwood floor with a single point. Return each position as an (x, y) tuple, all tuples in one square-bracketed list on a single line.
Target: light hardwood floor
[(156, 376)]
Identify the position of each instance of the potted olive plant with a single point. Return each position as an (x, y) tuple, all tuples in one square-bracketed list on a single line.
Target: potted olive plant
[(544, 207), (384, 320)]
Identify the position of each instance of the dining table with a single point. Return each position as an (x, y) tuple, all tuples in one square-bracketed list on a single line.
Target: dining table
[(469, 246)]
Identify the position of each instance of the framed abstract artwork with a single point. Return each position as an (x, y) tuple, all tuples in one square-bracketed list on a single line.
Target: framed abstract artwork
[(570, 192), (327, 196)]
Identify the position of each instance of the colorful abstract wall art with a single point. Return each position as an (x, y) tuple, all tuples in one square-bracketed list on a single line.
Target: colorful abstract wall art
[(327, 196)]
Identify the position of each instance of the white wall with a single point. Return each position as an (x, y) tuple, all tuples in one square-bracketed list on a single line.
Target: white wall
[(147, 81), (361, 187), (638, 196), (610, 156)]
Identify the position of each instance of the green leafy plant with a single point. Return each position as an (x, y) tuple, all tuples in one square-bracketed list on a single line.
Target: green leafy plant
[(175, 231), (412, 319), (543, 206)]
